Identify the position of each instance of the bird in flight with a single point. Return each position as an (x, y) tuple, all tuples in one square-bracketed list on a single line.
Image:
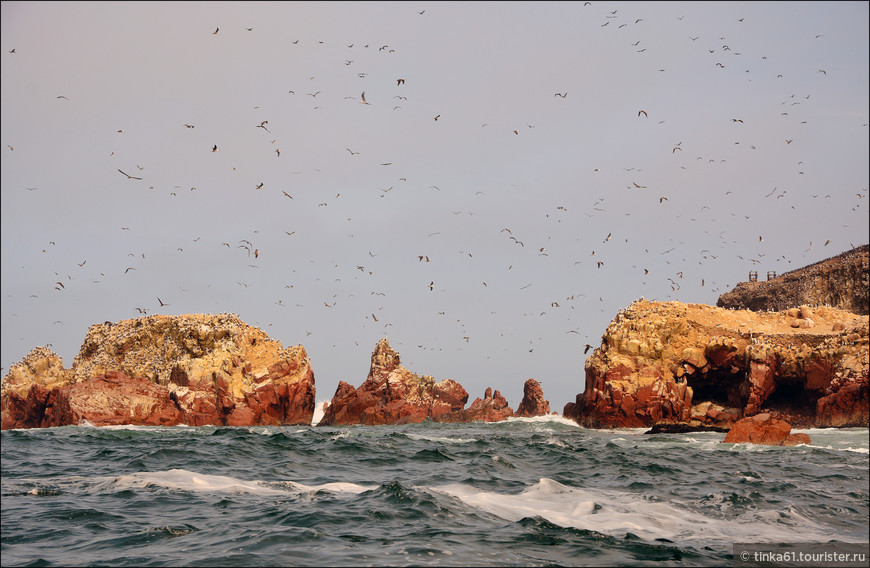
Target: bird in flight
[(216, 30), (62, 97), (639, 186), (586, 350), (287, 194), (561, 95), (437, 117), (161, 302), (363, 97), (642, 112), (400, 82), (352, 153), (214, 148), (263, 126), (129, 176)]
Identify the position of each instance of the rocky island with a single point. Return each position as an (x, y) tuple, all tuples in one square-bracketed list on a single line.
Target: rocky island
[(667, 362), (163, 370), (765, 358), (391, 394)]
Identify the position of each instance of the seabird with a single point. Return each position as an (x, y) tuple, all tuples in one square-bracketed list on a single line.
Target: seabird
[(129, 176)]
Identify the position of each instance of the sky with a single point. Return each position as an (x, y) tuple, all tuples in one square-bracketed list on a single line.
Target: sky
[(485, 184)]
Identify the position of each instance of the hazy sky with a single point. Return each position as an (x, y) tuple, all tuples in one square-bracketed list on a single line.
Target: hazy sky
[(550, 163)]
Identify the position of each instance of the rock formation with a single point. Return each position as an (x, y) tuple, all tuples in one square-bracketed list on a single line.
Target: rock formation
[(391, 394), (533, 403), (764, 429), (703, 365), (493, 407), (841, 281), (188, 369)]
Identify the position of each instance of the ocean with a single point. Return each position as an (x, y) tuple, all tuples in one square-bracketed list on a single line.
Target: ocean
[(523, 492)]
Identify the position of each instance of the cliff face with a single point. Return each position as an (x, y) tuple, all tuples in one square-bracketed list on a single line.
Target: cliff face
[(187, 369), (704, 365), (840, 282)]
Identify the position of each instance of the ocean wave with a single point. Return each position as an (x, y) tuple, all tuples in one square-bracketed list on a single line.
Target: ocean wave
[(443, 439), (184, 480), (545, 420), (618, 514)]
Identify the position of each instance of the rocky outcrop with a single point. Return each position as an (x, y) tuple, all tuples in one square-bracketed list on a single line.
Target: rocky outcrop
[(391, 394), (670, 362), (842, 281), (764, 429), (493, 407), (188, 369), (533, 403)]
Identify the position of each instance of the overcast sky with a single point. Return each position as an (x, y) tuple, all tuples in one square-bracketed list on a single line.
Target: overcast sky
[(549, 162)]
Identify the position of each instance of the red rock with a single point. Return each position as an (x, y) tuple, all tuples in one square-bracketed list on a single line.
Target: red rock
[(392, 394), (533, 403), (766, 430), (845, 407), (116, 398), (660, 360), (493, 407), (192, 369)]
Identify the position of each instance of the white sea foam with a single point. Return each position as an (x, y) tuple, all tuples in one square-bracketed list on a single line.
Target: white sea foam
[(547, 418), (444, 439), (319, 410), (184, 480), (617, 513)]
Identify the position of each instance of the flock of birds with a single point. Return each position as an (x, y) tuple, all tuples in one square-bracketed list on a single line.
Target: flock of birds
[(539, 245)]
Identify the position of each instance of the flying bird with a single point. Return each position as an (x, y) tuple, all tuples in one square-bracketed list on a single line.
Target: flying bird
[(363, 96), (400, 82), (161, 302), (642, 112), (639, 186), (129, 176), (214, 148), (263, 126), (561, 95), (216, 30), (437, 117), (287, 194), (587, 348)]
